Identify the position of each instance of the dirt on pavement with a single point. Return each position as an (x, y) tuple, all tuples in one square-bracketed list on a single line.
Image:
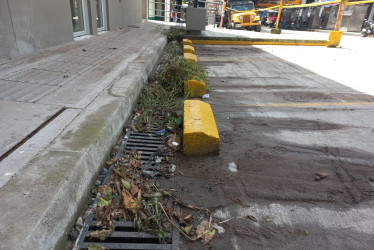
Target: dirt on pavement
[(278, 147)]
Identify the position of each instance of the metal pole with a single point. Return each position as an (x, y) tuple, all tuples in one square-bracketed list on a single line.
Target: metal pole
[(340, 15), (279, 13)]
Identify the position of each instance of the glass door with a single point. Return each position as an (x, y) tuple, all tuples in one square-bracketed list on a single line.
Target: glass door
[(101, 15), (79, 14)]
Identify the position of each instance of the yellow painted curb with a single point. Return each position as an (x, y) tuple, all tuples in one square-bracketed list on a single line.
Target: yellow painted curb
[(217, 42), (188, 49), (190, 56), (334, 38), (187, 42), (195, 87), (200, 133)]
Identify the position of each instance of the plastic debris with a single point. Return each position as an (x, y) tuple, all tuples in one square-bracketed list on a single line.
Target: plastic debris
[(233, 167), (172, 168), (175, 143), (161, 132), (205, 96), (158, 159), (219, 229)]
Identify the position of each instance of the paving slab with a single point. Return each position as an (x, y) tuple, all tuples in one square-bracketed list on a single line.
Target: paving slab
[(55, 168), (18, 120)]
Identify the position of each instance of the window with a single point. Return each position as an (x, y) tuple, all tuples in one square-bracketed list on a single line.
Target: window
[(101, 15), (80, 17)]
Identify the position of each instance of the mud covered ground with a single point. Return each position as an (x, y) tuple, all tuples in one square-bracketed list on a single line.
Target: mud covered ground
[(281, 124)]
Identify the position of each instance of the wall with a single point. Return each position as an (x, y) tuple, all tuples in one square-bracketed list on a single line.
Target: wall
[(123, 13), (8, 47), (27, 26), (36, 24)]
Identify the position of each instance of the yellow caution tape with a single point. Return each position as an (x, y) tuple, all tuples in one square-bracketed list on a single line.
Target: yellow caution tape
[(359, 2), (316, 4), (309, 5)]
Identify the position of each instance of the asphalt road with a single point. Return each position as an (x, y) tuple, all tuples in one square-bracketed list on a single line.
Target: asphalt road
[(283, 117)]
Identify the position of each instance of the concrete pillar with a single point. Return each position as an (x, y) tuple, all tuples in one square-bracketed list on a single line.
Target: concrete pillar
[(145, 9), (92, 14), (370, 17)]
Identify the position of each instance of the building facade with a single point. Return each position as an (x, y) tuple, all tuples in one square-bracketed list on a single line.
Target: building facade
[(27, 26)]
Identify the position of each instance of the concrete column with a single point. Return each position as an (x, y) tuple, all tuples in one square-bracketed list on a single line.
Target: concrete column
[(92, 14), (370, 17), (145, 9)]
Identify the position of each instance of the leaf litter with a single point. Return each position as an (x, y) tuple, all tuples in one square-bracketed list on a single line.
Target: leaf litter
[(130, 196), (132, 193)]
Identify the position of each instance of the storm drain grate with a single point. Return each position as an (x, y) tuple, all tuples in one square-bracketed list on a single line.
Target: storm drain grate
[(125, 236)]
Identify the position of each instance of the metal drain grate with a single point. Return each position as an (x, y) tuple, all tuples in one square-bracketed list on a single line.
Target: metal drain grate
[(125, 236)]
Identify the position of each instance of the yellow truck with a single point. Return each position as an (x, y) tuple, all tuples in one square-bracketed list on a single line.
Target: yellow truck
[(242, 14)]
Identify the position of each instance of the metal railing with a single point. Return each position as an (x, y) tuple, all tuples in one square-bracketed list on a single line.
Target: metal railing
[(170, 12)]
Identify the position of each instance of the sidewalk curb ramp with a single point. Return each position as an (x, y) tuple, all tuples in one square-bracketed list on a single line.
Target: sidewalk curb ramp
[(253, 41), (38, 207), (200, 133)]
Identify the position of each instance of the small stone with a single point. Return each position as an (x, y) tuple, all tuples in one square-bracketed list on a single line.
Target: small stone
[(104, 171), (97, 183), (79, 221)]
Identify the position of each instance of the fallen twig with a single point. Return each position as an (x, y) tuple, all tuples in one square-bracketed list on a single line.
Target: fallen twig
[(179, 201), (224, 221), (180, 230), (119, 173)]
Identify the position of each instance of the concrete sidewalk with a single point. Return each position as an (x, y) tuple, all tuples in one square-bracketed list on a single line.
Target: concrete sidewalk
[(61, 111)]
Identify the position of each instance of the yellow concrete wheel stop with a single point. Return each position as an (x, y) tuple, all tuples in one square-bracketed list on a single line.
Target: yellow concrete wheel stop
[(187, 42), (188, 49), (200, 133), (190, 56), (334, 38), (195, 87)]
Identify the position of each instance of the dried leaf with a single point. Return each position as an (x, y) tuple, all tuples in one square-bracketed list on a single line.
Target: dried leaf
[(133, 163), (96, 247), (140, 195), (128, 202), (252, 218), (133, 128), (134, 189), (182, 217), (204, 232), (105, 189), (142, 214), (100, 234), (320, 176), (113, 160), (172, 141)]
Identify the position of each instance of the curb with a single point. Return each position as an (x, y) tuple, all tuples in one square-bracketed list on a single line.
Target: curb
[(254, 41), (56, 183), (200, 133)]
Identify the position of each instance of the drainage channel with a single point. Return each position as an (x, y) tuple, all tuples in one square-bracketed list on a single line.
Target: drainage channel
[(125, 236)]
